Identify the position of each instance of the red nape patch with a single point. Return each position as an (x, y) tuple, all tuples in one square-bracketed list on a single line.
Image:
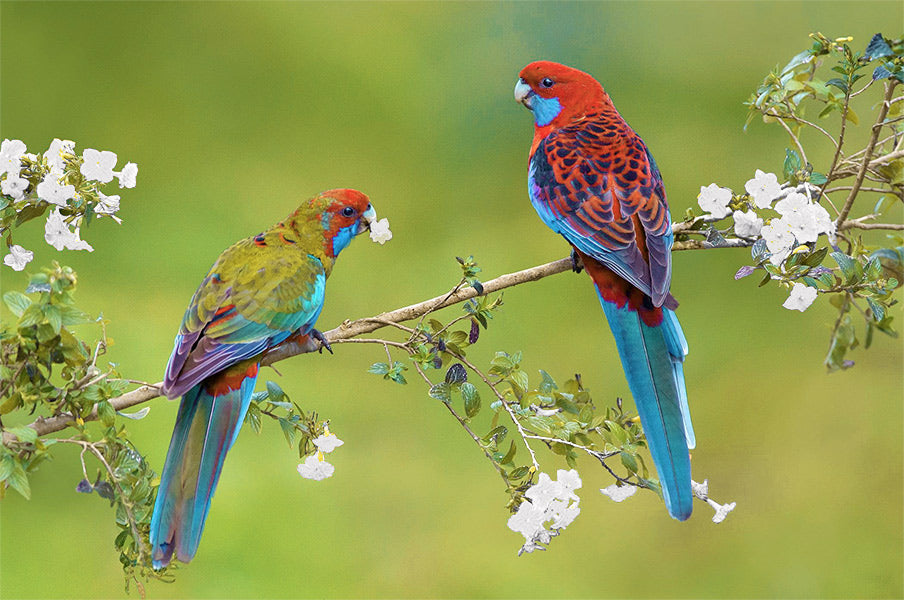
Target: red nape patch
[(231, 379), (616, 290)]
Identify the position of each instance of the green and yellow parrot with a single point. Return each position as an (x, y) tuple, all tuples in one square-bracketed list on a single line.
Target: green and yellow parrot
[(260, 292)]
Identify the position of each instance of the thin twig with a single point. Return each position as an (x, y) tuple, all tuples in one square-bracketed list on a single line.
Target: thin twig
[(880, 122)]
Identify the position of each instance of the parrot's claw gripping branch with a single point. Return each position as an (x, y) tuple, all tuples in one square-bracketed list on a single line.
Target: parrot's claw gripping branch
[(324, 343)]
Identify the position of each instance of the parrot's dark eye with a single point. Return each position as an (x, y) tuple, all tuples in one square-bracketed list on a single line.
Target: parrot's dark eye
[(348, 211), (546, 82)]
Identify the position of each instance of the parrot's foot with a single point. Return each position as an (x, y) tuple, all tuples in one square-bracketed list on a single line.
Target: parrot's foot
[(577, 265), (324, 343)]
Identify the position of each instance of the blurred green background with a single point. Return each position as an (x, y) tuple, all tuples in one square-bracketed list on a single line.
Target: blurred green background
[(235, 112)]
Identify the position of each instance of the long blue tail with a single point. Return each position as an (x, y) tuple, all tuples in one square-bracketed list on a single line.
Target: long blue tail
[(210, 416), (652, 358)]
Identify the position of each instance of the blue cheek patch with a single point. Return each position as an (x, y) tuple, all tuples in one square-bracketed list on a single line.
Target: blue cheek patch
[(545, 110), (343, 238)]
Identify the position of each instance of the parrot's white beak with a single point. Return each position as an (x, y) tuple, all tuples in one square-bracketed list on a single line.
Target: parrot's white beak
[(367, 217), (523, 93)]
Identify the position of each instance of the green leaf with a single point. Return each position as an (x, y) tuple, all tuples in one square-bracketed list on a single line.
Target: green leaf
[(548, 384), (791, 164), (17, 302), (628, 461), (841, 84), (18, 480), (456, 374), (877, 48), (519, 378), (877, 309), (275, 393), (472, 399), (510, 454), (519, 473), (7, 465), (379, 368), (441, 392), (815, 258), (288, 430), (873, 269), (846, 263), (24, 433), (800, 59), (818, 178)]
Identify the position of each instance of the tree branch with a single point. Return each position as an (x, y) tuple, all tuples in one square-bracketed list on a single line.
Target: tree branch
[(350, 329), (877, 128)]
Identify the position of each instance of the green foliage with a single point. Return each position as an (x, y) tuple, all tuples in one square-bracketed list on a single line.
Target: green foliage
[(48, 371), (564, 420), (298, 427), (830, 77)]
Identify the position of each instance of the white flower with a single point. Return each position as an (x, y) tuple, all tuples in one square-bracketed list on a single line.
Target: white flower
[(98, 165), (802, 296), (569, 481), (528, 520), (779, 240), (542, 492), (764, 188), (723, 511), (54, 154), (805, 219), (563, 513), (327, 442), (10, 153), (547, 500), (379, 231), (106, 205), (18, 257), (314, 467), (58, 234), (714, 200), (618, 493), (51, 191), (747, 224), (14, 186), (128, 175)]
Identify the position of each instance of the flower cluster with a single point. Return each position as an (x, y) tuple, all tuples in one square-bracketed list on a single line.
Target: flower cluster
[(65, 183), (547, 500), (315, 466), (801, 221)]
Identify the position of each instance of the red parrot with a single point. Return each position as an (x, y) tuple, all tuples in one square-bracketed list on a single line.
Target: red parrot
[(592, 180)]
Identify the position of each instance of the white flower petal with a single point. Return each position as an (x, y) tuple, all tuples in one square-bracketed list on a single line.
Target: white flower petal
[(10, 153), (618, 493), (327, 443), (747, 224), (18, 257), (14, 186), (379, 231), (314, 467), (98, 165), (128, 175), (779, 240), (714, 200), (763, 188), (51, 191), (801, 297)]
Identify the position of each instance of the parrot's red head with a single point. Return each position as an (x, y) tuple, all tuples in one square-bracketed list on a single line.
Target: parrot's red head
[(334, 216), (344, 207), (557, 94)]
